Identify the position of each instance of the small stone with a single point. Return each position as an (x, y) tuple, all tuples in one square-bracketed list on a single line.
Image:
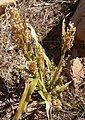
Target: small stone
[(79, 21), (77, 70)]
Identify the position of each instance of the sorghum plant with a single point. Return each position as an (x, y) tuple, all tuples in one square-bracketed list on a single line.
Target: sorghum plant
[(44, 77)]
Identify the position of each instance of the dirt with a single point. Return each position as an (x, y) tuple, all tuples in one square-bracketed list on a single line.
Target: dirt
[(46, 17)]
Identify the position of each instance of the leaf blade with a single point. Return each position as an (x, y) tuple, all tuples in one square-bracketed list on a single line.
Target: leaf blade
[(29, 89), (63, 87)]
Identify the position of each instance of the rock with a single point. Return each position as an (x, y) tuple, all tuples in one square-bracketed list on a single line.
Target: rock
[(79, 21), (77, 71), (75, 65)]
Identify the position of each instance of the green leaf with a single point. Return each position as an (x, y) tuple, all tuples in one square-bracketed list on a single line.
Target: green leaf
[(31, 78), (62, 50), (58, 82), (25, 55), (48, 63), (32, 56), (23, 67), (31, 89), (41, 102), (45, 95), (23, 38), (63, 87), (22, 103), (57, 72), (69, 105), (26, 97), (29, 46), (42, 95), (43, 85)]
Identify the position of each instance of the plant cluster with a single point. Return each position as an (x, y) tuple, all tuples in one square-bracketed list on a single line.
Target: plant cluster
[(43, 75)]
